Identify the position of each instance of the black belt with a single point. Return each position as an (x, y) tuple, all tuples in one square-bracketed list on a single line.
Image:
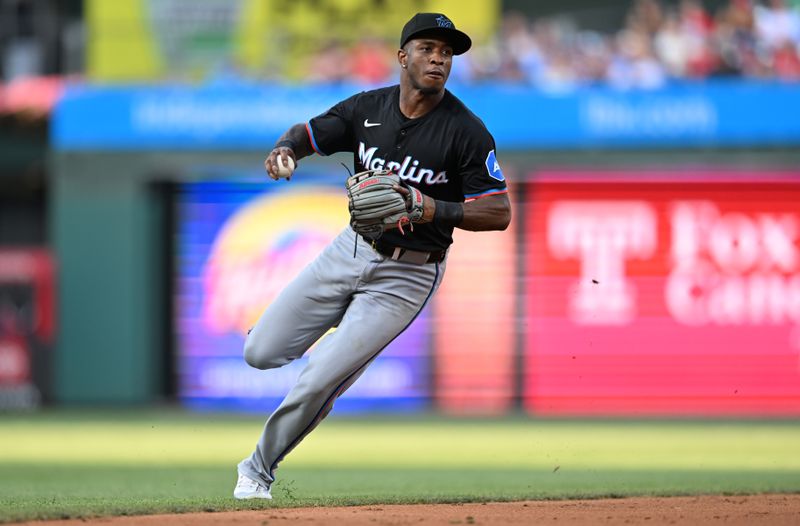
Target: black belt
[(406, 254)]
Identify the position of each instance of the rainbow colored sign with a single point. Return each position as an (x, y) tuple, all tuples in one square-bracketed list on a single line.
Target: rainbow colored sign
[(238, 245)]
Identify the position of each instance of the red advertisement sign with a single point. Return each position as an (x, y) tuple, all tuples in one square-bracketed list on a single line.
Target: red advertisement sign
[(27, 326), (671, 294)]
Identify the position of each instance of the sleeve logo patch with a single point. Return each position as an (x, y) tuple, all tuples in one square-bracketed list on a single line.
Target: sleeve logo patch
[(493, 167)]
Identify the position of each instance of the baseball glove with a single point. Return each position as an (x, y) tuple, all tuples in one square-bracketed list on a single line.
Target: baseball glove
[(377, 206)]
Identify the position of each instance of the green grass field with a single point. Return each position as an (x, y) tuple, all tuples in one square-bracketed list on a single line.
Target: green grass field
[(81, 464)]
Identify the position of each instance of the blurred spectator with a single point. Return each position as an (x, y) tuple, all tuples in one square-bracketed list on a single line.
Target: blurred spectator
[(371, 60), (593, 57), (646, 16), (777, 23), (736, 42), (634, 65), (786, 62), (673, 45), (697, 25), (695, 19), (331, 65)]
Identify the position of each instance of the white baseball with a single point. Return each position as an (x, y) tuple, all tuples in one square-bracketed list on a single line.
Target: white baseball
[(284, 170)]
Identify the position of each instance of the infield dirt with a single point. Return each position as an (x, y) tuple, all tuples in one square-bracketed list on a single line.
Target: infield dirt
[(728, 510)]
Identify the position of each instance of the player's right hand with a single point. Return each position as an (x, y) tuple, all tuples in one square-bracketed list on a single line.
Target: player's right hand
[(271, 164)]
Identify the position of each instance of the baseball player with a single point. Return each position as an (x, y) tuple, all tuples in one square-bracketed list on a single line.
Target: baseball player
[(425, 165)]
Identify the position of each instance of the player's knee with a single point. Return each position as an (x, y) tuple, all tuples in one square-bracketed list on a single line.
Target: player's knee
[(255, 356)]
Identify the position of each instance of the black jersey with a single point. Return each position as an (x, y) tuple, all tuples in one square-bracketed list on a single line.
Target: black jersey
[(447, 153)]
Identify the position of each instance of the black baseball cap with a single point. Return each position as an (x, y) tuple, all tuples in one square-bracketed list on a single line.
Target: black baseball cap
[(436, 23)]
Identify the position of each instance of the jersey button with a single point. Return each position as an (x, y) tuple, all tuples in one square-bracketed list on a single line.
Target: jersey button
[(402, 132), (397, 147)]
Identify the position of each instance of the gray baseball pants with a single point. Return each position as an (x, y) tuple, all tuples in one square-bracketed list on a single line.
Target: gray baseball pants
[(370, 298)]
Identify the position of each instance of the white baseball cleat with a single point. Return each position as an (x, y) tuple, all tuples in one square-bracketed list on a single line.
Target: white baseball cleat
[(247, 488)]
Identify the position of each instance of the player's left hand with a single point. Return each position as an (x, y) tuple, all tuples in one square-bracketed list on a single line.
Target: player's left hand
[(428, 203), (379, 201)]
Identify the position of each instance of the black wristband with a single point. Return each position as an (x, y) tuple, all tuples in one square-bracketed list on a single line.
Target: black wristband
[(448, 213), (286, 143)]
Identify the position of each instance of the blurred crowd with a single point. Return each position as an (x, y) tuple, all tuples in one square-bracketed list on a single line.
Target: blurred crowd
[(657, 43)]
